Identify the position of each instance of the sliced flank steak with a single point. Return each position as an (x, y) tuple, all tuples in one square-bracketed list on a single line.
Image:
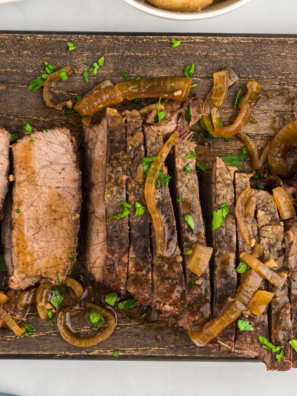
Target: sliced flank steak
[(4, 167)]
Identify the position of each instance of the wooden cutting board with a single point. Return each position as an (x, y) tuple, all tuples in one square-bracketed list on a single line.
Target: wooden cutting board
[(270, 60)]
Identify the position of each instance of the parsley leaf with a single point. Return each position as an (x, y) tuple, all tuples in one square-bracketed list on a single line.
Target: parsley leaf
[(242, 268), (49, 68), (237, 99), (94, 68), (18, 210), (177, 200), (188, 169), (190, 221), (27, 128), (84, 63), (101, 61), (35, 84), (192, 154), (257, 175), (128, 304), (49, 314), (244, 151), (125, 212), (293, 344), (161, 114), (234, 160), (125, 75), (116, 354), (71, 46), (86, 76), (147, 159), (29, 328), (63, 75), (188, 114), (139, 209), (189, 70), (194, 85), (70, 111), (244, 325), (192, 281), (280, 355), (227, 139), (3, 267), (96, 318), (260, 187), (111, 298), (59, 278), (56, 301), (203, 167), (32, 141), (266, 344), (164, 179), (175, 43), (14, 137), (219, 216)]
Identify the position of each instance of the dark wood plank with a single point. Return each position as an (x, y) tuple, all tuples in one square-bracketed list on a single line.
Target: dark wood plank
[(270, 60)]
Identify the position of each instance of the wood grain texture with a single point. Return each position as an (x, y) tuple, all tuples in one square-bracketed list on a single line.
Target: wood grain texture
[(270, 60)]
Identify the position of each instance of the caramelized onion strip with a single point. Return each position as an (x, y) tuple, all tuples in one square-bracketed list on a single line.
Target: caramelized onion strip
[(259, 302), (199, 260), (253, 152), (284, 204), (240, 210), (7, 319), (43, 296)]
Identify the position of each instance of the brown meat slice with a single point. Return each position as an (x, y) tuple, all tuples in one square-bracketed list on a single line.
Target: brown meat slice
[(291, 261), (195, 104), (217, 189), (139, 282), (198, 294), (267, 213), (46, 204), (94, 234), (247, 343), (168, 277), (4, 167), (116, 264), (6, 231)]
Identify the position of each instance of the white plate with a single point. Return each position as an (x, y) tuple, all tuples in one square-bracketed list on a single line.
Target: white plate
[(209, 12)]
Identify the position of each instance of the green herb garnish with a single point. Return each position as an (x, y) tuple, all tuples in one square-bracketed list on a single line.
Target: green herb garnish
[(94, 68), (189, 70), (237, 99), (194, 85), (96, 318), (257, 175), (27, 127), (86, 76), (49, 68), (190, 221), (84, 63), (203, 167), (143, 315), (293, 344), (3, 267), (234, 160), (128, 304), (177, 200), (125, 75), (192, 154), (70, 111), (268, 345), (14, 137), (56, 301), (164, 179), (49, 314), (140, 210), (111, 298), (244, 325), (32, 141), (29, 328), (260, 187), (52, 324), (188, 114), (147, 159), (101, 61), (59, 278), (242, 268), (244, 151), (219, 216), (63, 75), (18, 210), (71, 46), (192, 281), (227, 139), (35, 84), (125, 212), (175, 43), (188, 169), (161, 114), (116, 354)]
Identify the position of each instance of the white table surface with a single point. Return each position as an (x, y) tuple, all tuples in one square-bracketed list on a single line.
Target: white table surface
[(112, 378)]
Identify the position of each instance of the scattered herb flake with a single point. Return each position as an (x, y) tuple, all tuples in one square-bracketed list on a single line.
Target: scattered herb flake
[(244, 325), (192, 154), (189, 70), (219, 216), (18, 210), (192, 281), (140, 210), (35, 84), (143, 315), (128, 304), (49, 314), (146, 159), (59, 278), (194, 85), (70, 255), (94, 68), (125, 212), (188, 169), (280, 355), (190, 221), (293, 344), (227, 139), (260, 187), (177, 200), (14, 137), (257, 175), (111, 298), (242, 268), (29, 328), (52, 323), (3, 267), (234, 160), (161, 114), (27, 127), (237, 99), (175, 43), (44, 76), (63, 75), (203, 167), (71, 46), (101, 61), (70, 111), (84, 63), (188, 114), (244, 151), (116, 354), (163, 179), (266, 344), (56, 301), (95, 318), (125, 75), (86, 76), (49, 68), (32, 141)]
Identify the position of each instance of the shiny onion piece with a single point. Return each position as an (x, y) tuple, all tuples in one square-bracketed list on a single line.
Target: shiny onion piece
[(43, 297), (75, 286), (253, 152), (248, 287), (281, 146), (259, 302), (140, 176), (3, 298), (258, 250), (168, 87), (74, 339), (27, 297), (271, 263), (53, 78), (136, 140), (273, 277), (7, 319), (149, 193), (246, 108), (284, 204), (199, 260), (240, 211)]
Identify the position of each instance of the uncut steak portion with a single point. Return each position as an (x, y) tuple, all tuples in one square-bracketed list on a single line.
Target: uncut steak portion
[(246, 342), (197, 293), (168, 278), (116, 262), (139, 282), (46, 207), (217, 189), (4, 167), (93, 246)]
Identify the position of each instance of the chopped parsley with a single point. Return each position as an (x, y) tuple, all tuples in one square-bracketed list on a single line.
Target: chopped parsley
[(59, 278), (35, 84), (52, 324), (96, 318), (27, 127), (50, 314), (84, 63), (188, 169), (137, 100), (111, 298), (49, 68), (101, 61), (192, 281), (125, 75), (194, 85), (227, 139), (3, 267), (71, 46), (244, 325), (234, 160), (18, 210), (203, 167), (188, 114), (219, 216), (268, 345), (125, 212), (63, 75), (132, 258), (128, 304), (164, 179), (244, 151), (94, 68), (192, 154), (78, 98), (175, 43), (70, 111), (139, 209), (148, 160), (260, 187), (257, 175), (189, 70), (28, 327), (161, 114), (116, 354), (143, 315), (86, 76), (237, 99), (242, 268), (177, 200), (57, 298), (14, 137), (190, 221), (32, 141), (293, 344)]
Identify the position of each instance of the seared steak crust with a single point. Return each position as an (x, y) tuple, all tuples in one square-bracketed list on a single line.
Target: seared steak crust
[(4, 167), (46, 201)]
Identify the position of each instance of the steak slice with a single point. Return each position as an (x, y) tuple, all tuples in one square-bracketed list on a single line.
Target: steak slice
[(139, 282), (291, 261), (247, 343), (4, 167), (6, 230), (217, 189), (116, 263), (46, 207), (93, 246), (198, 294), (168, 277)]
